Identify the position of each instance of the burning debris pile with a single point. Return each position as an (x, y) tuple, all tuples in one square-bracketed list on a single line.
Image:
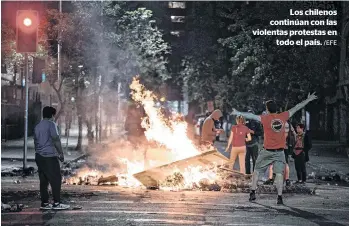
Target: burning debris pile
[(168, 160), (224, 180)]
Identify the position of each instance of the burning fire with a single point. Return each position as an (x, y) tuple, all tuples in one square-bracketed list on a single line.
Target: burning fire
[(173, 137), (169, 133)]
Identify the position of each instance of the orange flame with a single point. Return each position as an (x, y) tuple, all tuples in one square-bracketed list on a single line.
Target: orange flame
[(173, 137)]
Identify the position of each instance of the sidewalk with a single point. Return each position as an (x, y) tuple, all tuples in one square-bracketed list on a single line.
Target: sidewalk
[(13, 149)]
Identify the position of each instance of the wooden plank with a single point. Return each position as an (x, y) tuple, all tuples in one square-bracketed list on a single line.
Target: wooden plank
[(152, 177)]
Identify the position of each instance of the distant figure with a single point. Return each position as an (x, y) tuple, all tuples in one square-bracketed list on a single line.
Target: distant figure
[(48, 152), (301, 153), (135, 131), (238, 139), (209, 131), (68, 122), (207, 114), (252, 145)]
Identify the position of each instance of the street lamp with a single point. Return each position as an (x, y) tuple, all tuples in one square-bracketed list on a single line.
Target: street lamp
[(27, 22)]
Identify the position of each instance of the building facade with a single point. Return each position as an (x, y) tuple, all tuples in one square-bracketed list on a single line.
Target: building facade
[(343, 84), (334, 119)]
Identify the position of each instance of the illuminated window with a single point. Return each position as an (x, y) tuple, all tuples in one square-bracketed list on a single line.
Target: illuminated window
[(177, 19), (177, 33), (176, 5)]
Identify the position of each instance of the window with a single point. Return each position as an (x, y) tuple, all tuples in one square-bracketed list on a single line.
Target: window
[(176, 5), (177, 33), (177, 19)]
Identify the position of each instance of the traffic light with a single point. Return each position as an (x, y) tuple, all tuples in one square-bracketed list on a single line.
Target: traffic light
[(38, 70), (27, 23)]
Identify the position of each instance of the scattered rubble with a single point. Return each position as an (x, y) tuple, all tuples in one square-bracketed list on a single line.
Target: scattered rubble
[(229, 182), (92, 180), (14, 172), (174, 180), (106, 180), (70, 167), (296, 189), (329, 176), (11, 208)]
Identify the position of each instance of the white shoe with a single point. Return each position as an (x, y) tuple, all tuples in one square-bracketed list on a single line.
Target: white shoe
[(60, 206), (46, 206)]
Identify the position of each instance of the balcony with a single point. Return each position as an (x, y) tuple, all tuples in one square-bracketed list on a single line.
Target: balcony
[(177, 33), (177, 19), (176, 5)]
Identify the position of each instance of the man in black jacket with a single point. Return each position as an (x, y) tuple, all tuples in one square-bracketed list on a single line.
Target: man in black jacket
[(252, 146)]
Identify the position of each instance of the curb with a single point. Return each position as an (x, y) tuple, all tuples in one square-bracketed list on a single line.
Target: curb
[(33, 159), (17, 159)]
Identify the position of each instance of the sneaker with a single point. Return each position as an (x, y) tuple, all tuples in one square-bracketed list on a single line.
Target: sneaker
[(279, 200), (252, 197), (46, 206), (288, 182), (60, 206)]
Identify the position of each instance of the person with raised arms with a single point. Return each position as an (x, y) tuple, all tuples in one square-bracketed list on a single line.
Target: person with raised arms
[(274, 142)]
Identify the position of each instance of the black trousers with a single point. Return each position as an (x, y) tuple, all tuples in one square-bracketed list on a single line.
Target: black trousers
[(299, 163), (251, 152), (49, 173)]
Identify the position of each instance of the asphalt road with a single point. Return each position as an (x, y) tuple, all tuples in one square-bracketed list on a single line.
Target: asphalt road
[(124, 206)]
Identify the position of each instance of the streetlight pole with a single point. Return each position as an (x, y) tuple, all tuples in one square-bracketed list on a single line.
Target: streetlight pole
[(26, 70), (59, 46), (59, 79)]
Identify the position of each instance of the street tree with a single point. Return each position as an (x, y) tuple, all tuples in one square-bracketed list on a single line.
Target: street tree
[(112, 44)]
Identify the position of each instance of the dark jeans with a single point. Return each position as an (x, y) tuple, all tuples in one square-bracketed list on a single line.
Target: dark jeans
[(299, 163), (251, 152), (49, 173)]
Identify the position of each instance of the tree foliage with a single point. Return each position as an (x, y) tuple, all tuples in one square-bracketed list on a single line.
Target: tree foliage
[(258, 69), (139, 46)]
